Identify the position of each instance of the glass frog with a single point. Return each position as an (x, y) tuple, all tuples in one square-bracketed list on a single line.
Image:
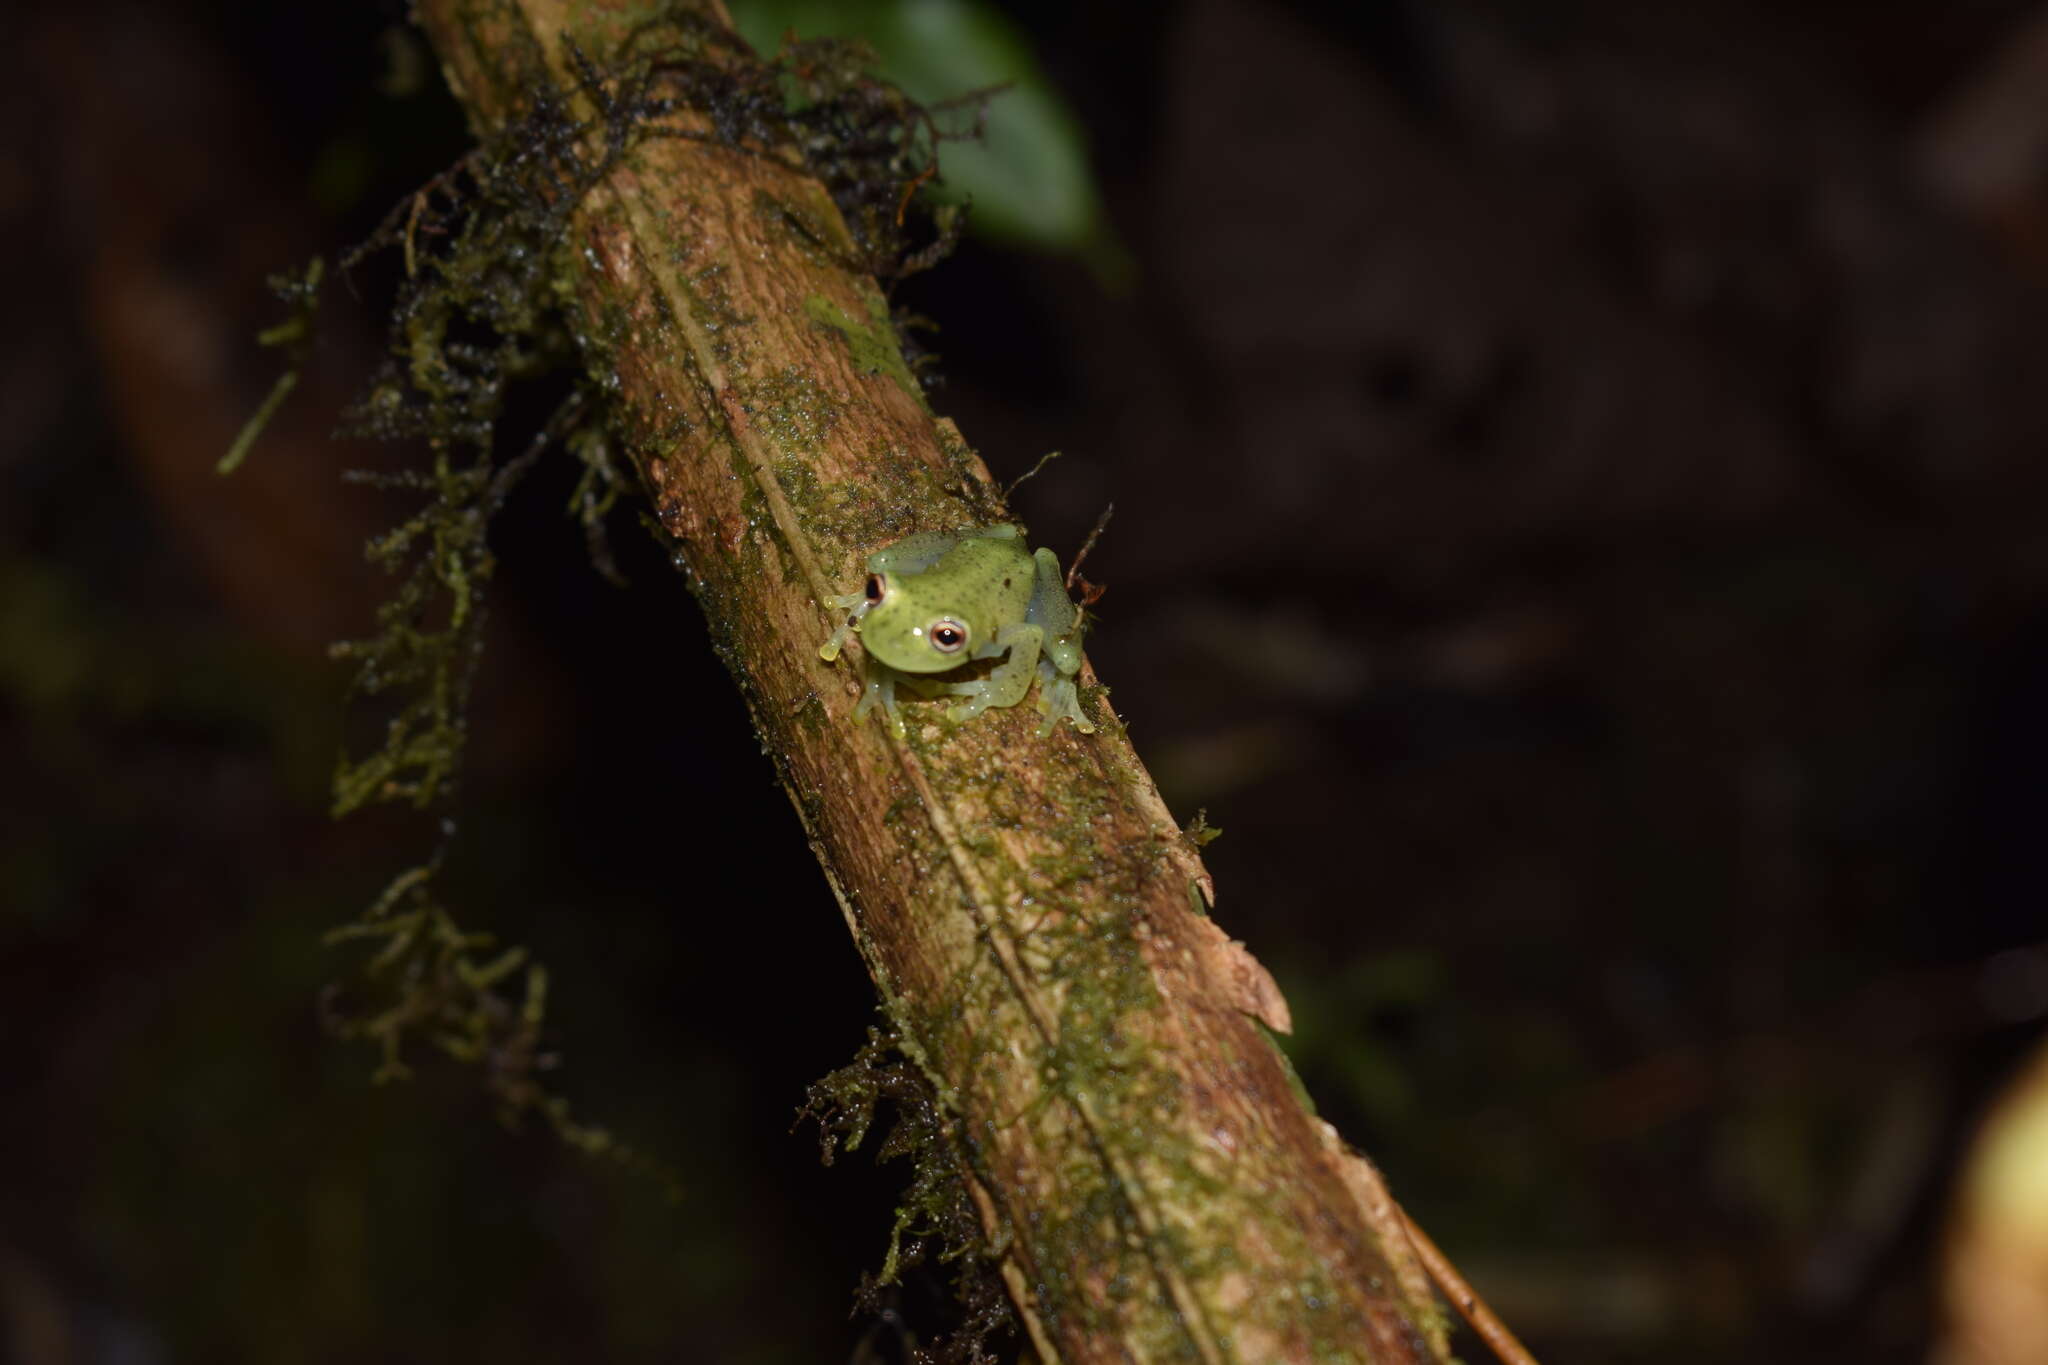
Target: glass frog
[(939, 600)]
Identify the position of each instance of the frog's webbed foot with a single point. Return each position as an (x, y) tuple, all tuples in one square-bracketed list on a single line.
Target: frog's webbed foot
[(976, 690), (1059, 699)]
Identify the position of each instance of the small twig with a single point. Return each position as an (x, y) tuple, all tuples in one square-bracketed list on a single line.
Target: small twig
[(295, 334), (557, 426), (409, 210), (251, 429), (1480, 1318), (978, 99), (1074, 569), (412, 222), (1015, 483), (910, 190)]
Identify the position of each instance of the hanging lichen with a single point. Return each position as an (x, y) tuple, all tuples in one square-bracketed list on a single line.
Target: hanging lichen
[(935, 1219), (483, 307)]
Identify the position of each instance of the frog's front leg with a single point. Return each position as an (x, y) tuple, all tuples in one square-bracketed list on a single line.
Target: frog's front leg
[(878, 688), (1008, 681), (856, 605)]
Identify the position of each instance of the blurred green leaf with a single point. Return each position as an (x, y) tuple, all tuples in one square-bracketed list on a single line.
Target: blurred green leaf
[(1028, 176), (1333, 1034)]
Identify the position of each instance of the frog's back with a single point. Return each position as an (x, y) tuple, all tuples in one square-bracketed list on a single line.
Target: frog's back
[(990, 580)]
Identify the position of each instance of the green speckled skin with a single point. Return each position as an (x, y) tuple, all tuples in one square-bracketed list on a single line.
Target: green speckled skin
[(938, 601)]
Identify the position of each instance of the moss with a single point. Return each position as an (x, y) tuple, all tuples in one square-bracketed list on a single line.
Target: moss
[(799, 414), (873, 346), (987, 503), (431, 981), (1199, 833), (1104, 1105), (597, 493), (489, 301), (798, 411), (936, 1222), (1132, 1180)]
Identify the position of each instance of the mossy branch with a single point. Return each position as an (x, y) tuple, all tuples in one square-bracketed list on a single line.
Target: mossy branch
[(1137, 1157)]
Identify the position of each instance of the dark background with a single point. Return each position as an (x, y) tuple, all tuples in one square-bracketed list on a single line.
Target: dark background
[(1579, 474)]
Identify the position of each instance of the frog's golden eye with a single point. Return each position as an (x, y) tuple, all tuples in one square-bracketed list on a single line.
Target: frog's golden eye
[(874, 588), (948, 636)]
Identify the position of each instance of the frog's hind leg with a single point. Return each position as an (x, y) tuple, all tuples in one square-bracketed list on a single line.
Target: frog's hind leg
[(1059, 699), (914, 554), (1054, 611), (1008, 681)]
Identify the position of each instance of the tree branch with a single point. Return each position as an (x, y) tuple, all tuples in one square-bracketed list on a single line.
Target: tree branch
[(1142, 1159)]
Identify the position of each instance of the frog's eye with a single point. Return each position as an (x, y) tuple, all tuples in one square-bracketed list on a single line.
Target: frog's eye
[(947, 636), (874, 588)]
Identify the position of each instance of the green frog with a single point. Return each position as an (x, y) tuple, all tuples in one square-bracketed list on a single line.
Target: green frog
[(936, 601)]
